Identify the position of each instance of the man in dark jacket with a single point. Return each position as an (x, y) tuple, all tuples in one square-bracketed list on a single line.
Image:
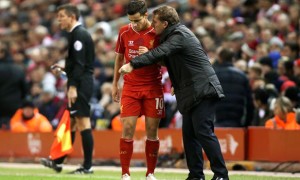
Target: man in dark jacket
[(196, 87), (13, 88), (237, 109)]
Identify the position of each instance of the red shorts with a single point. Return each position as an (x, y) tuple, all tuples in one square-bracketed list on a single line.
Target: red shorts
[(148, 103)]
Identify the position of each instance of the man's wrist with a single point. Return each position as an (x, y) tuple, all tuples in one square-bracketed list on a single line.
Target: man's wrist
[(73, 87), (114, 84), (131, 64)]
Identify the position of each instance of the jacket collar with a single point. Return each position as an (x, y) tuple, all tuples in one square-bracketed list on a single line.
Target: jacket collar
[(167, 31)]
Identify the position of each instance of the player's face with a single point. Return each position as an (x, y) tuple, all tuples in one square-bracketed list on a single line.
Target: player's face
[(138, 21), (64, 20), (158, 25)]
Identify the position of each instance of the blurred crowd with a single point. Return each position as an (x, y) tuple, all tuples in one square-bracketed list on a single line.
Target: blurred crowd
[(252, 44)]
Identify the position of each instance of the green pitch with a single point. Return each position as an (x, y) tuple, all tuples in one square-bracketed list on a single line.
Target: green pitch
[(48, 174)]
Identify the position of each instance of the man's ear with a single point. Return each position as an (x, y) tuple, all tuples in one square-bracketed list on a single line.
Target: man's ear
[(74, 17), (165, 24)]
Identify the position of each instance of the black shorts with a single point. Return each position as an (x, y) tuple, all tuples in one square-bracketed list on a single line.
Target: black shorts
[(81, 107)]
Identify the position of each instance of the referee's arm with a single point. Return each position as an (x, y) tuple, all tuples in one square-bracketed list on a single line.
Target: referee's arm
[(78, 57)]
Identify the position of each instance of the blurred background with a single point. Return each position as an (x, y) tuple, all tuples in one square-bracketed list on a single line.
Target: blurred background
[(252, 44)]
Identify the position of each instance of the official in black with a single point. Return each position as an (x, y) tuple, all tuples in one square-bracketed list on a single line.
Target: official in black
[(196, 87), (79, 70)]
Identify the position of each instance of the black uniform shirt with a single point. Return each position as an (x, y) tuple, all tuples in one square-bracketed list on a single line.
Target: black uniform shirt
[(81, 55)]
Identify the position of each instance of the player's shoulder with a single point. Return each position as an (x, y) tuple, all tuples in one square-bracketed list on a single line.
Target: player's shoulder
[(125, 28), (149, 31)]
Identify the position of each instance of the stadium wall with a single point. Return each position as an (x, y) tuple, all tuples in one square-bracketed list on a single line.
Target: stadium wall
[(238, 144)]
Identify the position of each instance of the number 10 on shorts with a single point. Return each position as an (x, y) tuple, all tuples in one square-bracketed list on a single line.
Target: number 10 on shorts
[(159, 103)]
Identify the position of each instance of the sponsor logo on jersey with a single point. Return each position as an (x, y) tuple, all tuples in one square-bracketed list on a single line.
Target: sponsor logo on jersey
[(130, 43)]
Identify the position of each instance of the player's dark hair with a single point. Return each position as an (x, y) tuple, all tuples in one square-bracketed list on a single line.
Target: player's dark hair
[(137, 6), (70, 10)]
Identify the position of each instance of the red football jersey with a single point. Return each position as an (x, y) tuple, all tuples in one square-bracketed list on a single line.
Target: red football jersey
[(128, 43)]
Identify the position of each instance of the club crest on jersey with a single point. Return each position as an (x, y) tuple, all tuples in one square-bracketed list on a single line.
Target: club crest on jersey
[(139, 42), (130, 43)]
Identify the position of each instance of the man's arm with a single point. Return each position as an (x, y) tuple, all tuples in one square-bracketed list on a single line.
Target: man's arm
[(119, 60), (79, 58), (171, 46)]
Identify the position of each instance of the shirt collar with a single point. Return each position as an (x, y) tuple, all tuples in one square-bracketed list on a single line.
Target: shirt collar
[(77, 24), (167, 31)]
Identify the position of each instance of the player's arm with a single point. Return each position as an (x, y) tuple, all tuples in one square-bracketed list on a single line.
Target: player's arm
[(119, 61)]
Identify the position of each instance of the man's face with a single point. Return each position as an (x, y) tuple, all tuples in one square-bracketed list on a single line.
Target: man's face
[(279, 111), (296, 71), (28, 112), (64, 20), (138, 21), (286, 51), (158, 25)]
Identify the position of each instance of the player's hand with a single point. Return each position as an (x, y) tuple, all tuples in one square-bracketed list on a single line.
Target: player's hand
[(126, 68), (72, 95), (143, 49), (172, 91), (115, 93)]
